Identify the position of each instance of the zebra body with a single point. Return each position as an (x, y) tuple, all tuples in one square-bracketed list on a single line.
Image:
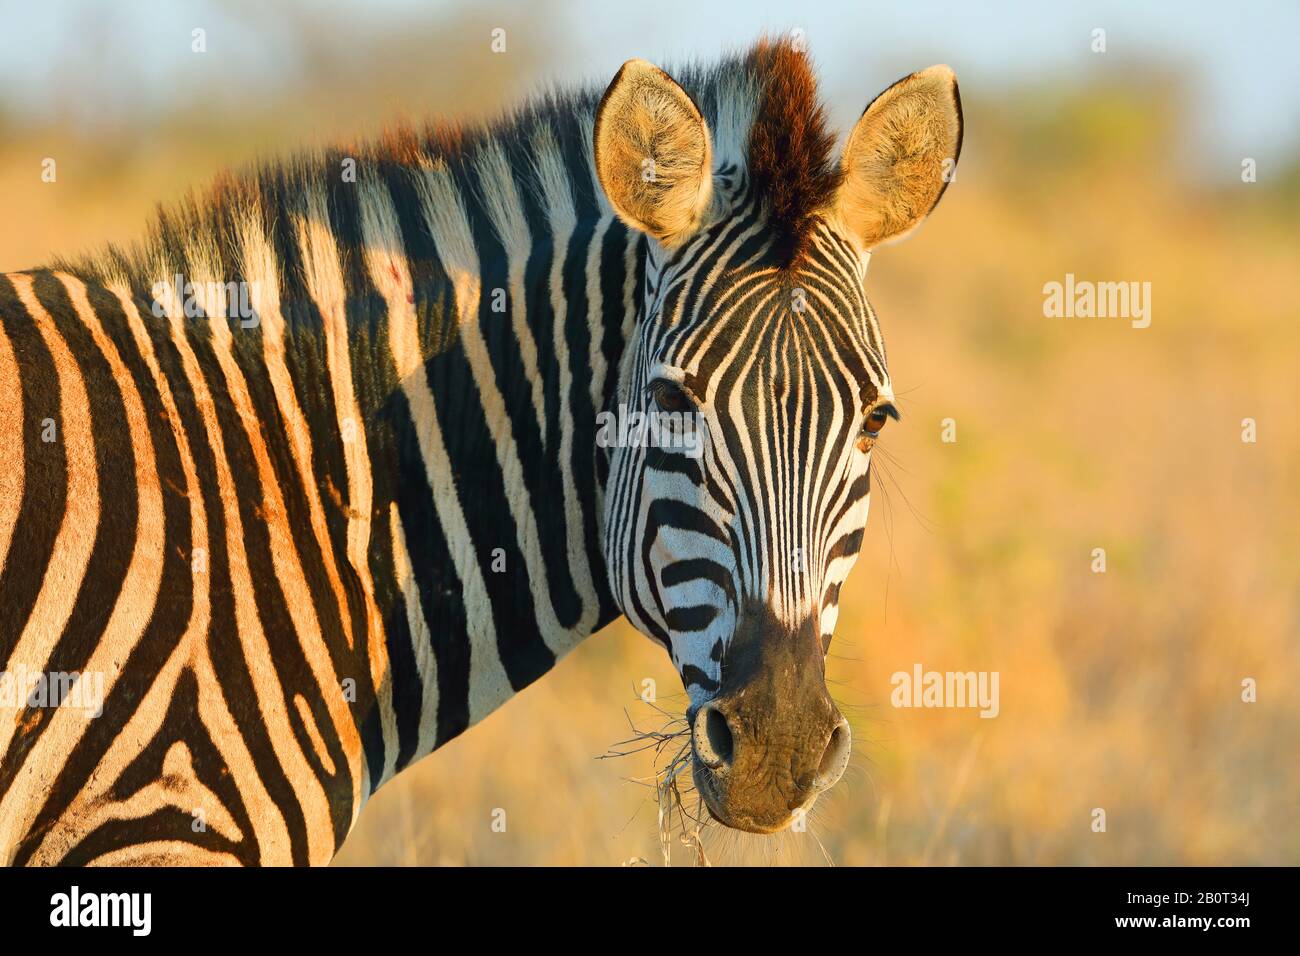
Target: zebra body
[(303, 544), (237, 519)]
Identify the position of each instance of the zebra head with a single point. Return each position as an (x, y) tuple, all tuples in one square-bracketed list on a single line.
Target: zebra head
[(755, 384)]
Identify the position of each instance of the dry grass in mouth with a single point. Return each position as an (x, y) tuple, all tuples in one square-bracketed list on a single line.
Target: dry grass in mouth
[(671, 744)]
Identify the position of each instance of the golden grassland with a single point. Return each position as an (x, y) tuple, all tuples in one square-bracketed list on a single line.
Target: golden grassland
[(1119, 690)]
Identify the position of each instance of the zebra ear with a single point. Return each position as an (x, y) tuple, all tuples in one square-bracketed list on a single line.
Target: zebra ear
[(901, 156), (653, 154)]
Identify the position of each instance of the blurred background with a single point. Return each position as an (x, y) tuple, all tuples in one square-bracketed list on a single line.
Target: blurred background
[(1119, 690)]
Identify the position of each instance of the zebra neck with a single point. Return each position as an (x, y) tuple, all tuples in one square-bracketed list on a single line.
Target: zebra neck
[(396, 454), (482, 340)]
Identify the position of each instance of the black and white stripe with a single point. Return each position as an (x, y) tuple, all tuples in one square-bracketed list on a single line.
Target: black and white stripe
[(775, 507), (307, 551)]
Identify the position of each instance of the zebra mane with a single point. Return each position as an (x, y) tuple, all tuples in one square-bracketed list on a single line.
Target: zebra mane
[(762, 108)]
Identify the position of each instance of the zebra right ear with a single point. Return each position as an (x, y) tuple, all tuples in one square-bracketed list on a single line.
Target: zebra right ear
[(653, 154)]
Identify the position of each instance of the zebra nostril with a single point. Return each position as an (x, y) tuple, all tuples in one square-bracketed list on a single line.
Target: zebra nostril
[(835, 758), (713, 740)]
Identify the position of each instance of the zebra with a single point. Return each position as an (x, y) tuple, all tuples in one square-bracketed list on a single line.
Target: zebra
[(316, 475)]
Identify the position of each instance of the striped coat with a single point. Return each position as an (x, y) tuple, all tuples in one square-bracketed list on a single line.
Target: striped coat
[(298, 562), (308, 482)]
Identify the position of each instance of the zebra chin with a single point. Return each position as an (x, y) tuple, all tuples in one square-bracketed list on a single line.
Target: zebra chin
[(771, 740)]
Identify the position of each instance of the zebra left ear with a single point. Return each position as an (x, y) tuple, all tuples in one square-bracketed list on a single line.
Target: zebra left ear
[(653, 154), (901, 156)]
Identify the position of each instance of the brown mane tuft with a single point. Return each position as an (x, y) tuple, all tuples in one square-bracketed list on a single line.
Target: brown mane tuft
[(790, 144)]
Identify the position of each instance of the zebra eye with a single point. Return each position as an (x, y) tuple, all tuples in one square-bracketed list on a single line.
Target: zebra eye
[(873, 423), (670, 397)]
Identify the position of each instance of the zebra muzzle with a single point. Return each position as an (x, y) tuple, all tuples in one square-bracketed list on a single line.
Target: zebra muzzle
[(772, 739)]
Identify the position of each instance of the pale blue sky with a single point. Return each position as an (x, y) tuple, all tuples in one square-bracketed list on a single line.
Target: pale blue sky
[(115, 59)]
